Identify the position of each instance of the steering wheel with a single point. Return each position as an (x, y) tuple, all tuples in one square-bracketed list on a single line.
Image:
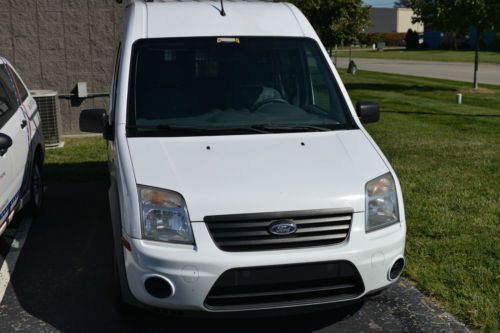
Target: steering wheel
[(268, 101)]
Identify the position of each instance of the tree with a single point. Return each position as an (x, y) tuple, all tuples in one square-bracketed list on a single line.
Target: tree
[(458, 16), (402, 4), (412, 39), (336, 22)]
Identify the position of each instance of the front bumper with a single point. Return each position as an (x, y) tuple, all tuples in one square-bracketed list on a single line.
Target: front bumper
[(193, 271)]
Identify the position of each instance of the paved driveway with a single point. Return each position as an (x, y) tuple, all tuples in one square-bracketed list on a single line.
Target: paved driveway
[(63, 282), (458, 71)]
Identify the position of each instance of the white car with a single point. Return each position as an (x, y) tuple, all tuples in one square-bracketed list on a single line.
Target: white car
[(242, 178), (21, 147)]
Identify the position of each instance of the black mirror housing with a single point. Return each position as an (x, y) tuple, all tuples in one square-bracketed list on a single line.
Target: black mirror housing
[(91, 120), (368, 112), (96, 121), (5, 143)]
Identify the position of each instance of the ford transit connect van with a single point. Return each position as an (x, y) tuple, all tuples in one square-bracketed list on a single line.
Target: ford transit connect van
[(21, 147), (242, 178)]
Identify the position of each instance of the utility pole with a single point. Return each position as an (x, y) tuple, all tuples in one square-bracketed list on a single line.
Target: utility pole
[(476, 59)]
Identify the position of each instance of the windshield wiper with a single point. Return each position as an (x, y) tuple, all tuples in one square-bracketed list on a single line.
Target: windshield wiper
[(292, 128), (198, 129)]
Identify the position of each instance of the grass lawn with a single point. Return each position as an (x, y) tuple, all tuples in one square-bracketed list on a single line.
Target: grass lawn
[(427, 55), (81, 160), (448, 161)]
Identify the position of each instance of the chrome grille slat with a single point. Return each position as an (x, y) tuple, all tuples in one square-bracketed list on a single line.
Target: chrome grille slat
[(327, 228), (256, 224), (245, 224), (251, 232), (281, 240), (324, 220), (232, 234), (240, 234)]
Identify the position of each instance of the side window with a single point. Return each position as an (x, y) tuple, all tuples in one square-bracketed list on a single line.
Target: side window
[(319, 85), (114, 91), (7, 104), (22, 89), (5, 81)]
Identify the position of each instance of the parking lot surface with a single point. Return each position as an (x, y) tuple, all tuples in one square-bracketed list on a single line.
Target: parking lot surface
[(457, 71), (63, 281)]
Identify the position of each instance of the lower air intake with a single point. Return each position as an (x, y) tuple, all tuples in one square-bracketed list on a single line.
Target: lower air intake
[(276, 286)]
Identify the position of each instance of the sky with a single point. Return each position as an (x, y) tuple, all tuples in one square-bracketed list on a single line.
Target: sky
[(380, 3)]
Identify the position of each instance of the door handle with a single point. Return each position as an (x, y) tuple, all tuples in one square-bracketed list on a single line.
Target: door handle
[(24, 123)]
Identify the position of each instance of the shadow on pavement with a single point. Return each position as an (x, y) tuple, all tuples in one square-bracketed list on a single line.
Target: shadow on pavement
[(64, 277), (76, 172)]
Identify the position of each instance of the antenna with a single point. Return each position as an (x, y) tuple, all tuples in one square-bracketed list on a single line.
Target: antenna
[(222, 11)]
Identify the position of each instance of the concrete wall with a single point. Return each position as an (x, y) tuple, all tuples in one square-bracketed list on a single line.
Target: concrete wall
[(56, 43), (389, 20)]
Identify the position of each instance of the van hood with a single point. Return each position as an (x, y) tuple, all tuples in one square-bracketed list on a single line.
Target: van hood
[(220, 175)]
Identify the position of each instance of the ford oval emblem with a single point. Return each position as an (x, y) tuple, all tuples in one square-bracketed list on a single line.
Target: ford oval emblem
[(283, 228)]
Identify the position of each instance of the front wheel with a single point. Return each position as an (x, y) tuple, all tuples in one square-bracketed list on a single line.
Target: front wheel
[(37, 188)]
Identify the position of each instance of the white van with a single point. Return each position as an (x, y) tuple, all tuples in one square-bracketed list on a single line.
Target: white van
[(242, 178), (21, 148)]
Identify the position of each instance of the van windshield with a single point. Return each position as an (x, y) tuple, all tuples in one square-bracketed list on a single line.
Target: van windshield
[(249, 85)]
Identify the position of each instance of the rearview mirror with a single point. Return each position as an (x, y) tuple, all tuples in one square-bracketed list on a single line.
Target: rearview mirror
[(368, 112), (5, 143)]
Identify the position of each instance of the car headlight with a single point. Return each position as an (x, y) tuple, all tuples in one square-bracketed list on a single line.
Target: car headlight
[(381, 203), (164, 216)]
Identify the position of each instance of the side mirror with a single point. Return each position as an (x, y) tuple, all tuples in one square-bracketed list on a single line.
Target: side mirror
[(96, 121), (368, 112), (5, 144), (4, 106)]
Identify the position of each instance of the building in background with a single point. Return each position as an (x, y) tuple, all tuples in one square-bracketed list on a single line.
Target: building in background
[(438, 39), (393, 20), (55, 44)]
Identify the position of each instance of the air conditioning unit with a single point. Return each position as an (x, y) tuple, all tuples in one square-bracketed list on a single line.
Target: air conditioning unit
[(48, 106)]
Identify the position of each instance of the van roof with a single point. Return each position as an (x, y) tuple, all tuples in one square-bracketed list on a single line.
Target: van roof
[(164, 18)]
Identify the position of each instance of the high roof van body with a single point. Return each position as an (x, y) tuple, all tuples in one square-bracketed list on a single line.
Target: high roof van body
[(242, 178)]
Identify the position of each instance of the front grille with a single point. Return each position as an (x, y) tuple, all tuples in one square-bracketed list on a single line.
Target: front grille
[(277, 286), (250, 232)]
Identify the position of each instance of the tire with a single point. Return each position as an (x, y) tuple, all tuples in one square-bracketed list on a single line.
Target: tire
[(36, 189)]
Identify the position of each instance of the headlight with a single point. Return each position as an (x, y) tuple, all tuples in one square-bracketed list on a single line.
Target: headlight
[(381, 203), (164, 216)]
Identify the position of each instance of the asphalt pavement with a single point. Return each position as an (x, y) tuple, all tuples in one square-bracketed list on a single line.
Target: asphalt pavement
[(457, 71), (63, 281)]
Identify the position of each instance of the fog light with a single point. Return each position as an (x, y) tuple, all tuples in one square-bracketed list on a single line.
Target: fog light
[(396, 269), (158, 287)]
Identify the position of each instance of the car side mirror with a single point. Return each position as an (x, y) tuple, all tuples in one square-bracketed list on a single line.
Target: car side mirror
[(96, 121), (4, 106), (5, 144), (368, 112)]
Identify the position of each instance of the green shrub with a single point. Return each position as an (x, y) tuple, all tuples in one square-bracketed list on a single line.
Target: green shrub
[(411, 40), (390, 39)]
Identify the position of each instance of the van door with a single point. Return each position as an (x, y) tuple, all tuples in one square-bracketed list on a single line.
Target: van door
[(23, 127), (8, 187)]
